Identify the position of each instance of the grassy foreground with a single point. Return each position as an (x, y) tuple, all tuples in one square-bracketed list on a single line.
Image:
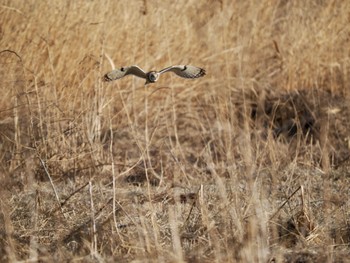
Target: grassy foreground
[(249, 164)]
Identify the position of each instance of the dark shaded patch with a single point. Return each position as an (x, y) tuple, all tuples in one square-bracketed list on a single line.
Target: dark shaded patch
[(139, 178)]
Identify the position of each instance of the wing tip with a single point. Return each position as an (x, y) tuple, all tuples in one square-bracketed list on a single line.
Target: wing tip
[(106, 78), (201, 73)]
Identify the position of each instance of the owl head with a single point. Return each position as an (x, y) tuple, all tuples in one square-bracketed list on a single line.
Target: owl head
[(152, 77)]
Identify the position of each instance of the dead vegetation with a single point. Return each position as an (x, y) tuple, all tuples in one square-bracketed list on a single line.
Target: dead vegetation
[(249, 164)]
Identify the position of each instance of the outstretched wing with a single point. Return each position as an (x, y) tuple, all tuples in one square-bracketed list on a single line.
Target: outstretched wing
[(119, 73), (185, 71)]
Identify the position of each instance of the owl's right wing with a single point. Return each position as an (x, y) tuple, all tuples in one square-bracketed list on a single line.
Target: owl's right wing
[(185, 71), (122, 72)]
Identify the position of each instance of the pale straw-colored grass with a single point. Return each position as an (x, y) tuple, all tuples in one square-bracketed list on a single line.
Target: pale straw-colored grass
[(248, 164)]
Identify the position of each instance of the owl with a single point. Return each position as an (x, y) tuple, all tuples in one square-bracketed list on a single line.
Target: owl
[(184, 71)]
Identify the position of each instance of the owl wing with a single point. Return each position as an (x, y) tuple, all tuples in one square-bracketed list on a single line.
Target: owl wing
[(122, 72), (185, 71)]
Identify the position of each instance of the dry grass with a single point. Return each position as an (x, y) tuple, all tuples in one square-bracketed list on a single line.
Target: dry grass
[(249, 164)]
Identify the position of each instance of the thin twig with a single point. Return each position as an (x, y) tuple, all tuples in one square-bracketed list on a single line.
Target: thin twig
[(193, 205), (73, 193), (94, 229), (52, 184), (285, 202)]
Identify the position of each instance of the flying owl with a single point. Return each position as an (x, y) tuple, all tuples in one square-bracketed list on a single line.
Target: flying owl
[(184, 71)]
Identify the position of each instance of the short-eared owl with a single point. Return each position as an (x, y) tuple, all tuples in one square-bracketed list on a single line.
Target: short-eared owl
[(184, 71)]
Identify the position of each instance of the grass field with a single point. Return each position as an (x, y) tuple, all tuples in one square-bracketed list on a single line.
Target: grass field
[(250, 163)]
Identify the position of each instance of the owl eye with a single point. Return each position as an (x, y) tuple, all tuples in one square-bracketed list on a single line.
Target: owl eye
[(122, 69), (153, 77)]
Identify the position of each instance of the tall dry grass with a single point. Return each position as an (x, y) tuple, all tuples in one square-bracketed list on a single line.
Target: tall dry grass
[(248, 164)]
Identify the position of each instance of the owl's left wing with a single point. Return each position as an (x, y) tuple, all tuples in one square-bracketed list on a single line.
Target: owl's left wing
[(185, 71), (119, 73)]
